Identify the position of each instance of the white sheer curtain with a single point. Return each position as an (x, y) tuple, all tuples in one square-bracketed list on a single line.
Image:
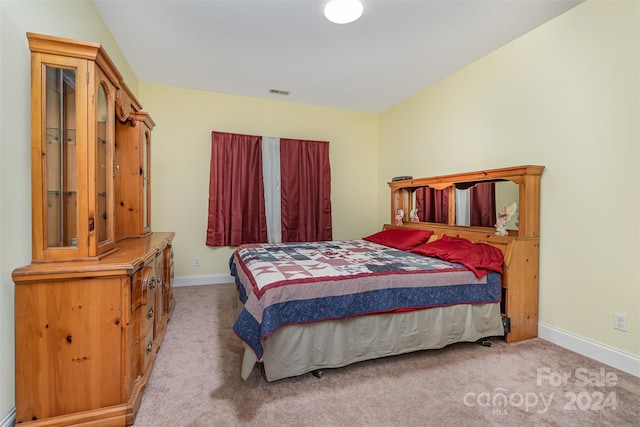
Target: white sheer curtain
[(463, 207), (271, 179)]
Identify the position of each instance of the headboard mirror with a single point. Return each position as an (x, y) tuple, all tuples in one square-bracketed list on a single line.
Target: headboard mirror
[(506, 193), (498, 193), (471, 199)]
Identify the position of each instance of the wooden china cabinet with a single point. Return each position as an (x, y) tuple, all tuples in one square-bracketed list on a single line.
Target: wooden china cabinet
[(93, 306)]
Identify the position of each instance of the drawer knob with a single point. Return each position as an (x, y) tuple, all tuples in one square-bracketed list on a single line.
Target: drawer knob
[(150, 313), (149, 347)]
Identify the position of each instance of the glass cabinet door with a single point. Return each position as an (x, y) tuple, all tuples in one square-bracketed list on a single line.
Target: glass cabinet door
[(104, 169), (60, 158), (146, 182), (104, 165)]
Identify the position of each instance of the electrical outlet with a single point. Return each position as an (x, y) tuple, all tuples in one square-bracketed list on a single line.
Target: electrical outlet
[(620, 321), (196, 261)]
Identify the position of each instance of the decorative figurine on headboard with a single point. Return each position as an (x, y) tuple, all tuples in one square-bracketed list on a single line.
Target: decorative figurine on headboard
[(413, 215), (504, 215), (399, 216)]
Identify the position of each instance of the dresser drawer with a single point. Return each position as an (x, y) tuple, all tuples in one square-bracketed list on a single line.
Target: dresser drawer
[(149, 290), (148, 317), (147, 348)]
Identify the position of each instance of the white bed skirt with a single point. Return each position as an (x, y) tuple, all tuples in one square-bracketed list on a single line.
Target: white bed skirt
[(298, 349)]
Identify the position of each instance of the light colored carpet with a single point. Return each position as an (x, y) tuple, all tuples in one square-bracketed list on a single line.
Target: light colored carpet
[(196, 382)]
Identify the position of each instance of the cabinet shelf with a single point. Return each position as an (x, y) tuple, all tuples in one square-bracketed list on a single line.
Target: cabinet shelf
[(53, 136), (58, 192)]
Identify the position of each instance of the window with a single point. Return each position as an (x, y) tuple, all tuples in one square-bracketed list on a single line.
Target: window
[(239, 201)]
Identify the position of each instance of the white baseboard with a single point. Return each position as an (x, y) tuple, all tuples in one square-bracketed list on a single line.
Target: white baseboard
[(205, 279), (620, 360), (10, 419)]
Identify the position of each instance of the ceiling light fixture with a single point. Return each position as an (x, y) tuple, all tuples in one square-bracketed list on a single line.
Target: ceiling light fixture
[(343, 11)]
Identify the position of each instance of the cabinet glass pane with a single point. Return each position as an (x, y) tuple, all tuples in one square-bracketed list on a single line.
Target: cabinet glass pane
[(105, 169), (60, 158), (145, 181)]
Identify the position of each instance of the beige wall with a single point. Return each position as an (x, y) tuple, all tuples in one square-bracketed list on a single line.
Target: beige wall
[(181, 151), (565, 96), (77, 19)]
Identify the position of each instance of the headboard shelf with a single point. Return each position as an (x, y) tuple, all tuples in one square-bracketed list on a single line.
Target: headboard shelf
[(515, 174), (527, 178), (520, 247)]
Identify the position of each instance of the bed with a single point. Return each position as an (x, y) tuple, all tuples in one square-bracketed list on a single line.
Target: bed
[(305, 307), (317, 305)]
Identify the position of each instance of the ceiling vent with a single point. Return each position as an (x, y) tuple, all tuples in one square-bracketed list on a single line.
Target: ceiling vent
[(279, 92)]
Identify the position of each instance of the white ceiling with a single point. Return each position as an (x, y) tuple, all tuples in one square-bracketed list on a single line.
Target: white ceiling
[(247, 47)]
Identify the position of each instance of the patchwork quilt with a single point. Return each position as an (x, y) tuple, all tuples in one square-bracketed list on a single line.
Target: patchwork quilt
[(293, 283)]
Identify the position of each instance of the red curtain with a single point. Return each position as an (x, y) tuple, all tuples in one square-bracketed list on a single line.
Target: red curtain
[(306, 190), (482, 202), (236, 192), (433, 205)]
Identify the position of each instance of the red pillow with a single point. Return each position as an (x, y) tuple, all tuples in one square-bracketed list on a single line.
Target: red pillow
[(399, 238), (480, 258)]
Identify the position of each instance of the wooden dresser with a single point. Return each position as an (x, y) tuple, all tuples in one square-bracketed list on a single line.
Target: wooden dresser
[(92, 308), (87, 333)]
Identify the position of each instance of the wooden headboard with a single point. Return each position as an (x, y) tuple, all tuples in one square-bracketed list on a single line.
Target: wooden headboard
[(520, 247)]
